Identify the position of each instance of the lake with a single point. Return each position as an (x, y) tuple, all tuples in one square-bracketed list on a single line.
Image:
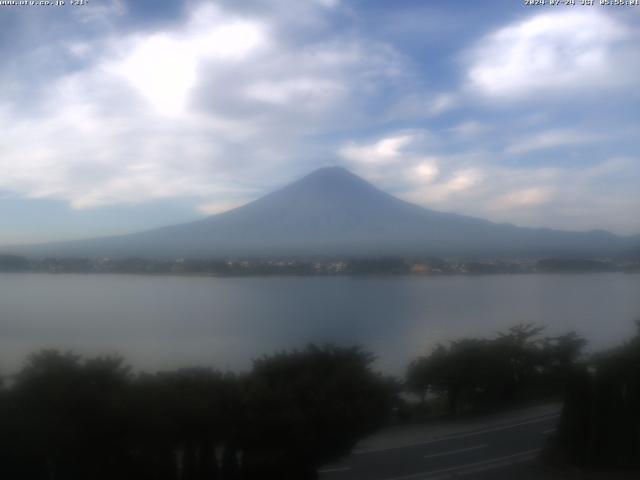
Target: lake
[(165, 322)]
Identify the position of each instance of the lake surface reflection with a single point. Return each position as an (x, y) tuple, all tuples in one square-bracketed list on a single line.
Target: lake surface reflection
[(166, 322)]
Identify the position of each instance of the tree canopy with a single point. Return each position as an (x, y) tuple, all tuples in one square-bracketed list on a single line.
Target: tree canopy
[(474, 373), (68, 417)]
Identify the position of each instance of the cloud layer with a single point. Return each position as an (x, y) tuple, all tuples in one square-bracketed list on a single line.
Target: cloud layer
[(572, 52)]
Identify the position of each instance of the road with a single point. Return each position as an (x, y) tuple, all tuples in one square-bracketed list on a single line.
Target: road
[(496, 450)]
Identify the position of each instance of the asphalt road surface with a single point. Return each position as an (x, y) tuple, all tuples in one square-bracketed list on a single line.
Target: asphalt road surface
[(501, 450)]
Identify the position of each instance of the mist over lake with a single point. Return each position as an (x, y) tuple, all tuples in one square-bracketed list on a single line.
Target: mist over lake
[(161, 322)]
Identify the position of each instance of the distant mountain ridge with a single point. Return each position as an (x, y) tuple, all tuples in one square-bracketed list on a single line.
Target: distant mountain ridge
[(332, 212)]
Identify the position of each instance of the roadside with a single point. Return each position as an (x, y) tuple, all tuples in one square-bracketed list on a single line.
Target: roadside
[(414, 434), (493, 447)]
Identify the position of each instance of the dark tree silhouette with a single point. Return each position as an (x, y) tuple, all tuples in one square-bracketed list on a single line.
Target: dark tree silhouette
[(600, 422), (65, 416), (473, 373), (312, 405), (68, 418), (180, 418)]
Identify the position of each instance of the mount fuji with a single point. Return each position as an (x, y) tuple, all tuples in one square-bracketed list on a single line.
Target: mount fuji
[(332, 212)]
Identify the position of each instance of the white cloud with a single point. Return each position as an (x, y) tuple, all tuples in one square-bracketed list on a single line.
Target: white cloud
[(100, 11), (550, 139), (200, 110), (425, 171), (470, 129), (79, 49), (610, 166), (397, 160), (386, 151), (459, 182), (442, 103), (570, 52), (163, 66), (318, 93), (462, 180), (555, 197), (523, 198), (477, 183), (418, 104), (218, 207), (328, 3)]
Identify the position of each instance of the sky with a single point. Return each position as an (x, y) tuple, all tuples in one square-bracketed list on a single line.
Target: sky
[(119, 116)]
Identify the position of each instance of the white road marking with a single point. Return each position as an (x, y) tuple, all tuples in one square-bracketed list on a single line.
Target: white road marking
[(547, 432), (453, 452), (473, 467), (335, 470), (460, 435)]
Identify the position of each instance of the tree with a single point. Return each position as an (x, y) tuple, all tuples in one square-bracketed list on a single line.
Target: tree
[(71, 418), (600, 421), (476, 373), (66, 416), (306, 408)]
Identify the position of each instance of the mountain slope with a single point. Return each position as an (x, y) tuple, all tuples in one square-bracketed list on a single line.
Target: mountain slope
[(333, 212)]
